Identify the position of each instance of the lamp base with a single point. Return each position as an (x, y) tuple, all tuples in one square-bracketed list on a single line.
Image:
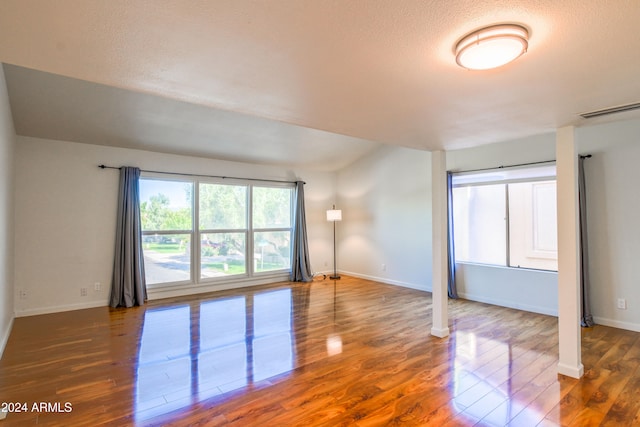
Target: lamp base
[(334, 277)]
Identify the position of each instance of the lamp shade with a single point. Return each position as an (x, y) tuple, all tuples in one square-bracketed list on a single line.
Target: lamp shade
[(492, 47), (334, 215)]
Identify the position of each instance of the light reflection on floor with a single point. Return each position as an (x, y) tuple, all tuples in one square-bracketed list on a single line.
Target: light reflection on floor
[(186, 357), (481, 392)]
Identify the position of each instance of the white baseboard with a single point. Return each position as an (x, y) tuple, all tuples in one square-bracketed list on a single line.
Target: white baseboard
[(570, 370), (387, 281), (617, 324), (440, 332), (5, 337), (509, 304), (60, 308)]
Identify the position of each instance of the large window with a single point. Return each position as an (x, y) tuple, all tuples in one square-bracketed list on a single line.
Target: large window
[(196, 231), (506, 218)]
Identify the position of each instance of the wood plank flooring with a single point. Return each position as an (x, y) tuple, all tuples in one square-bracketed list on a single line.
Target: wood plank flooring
[(350, 352)]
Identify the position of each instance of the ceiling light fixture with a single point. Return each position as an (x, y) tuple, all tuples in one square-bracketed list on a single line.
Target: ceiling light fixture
[(492, 47)]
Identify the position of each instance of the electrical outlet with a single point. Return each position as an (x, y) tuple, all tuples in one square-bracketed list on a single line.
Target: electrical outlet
[(384, 267), (622, 303), (97, 287), (83, 292)]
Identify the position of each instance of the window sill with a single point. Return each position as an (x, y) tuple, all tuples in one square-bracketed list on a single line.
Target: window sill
[(187, 288), (535, 270)]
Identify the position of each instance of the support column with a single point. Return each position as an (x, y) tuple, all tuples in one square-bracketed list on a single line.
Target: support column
[(439, 276), (570, 362)]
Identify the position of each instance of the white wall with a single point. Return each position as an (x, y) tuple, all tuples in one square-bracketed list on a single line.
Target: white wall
[(66, 207), (7, 142), (528, 290), (613, 209), (385, 201), (537, 148)]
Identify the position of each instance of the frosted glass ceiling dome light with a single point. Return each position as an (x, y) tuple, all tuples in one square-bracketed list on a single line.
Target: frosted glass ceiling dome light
[(492, 47)]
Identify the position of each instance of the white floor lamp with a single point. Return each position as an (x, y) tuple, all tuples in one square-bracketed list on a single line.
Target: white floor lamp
[(334, 215)]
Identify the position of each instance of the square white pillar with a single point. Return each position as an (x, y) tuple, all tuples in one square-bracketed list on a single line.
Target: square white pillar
[(440, 327), (569, 346)]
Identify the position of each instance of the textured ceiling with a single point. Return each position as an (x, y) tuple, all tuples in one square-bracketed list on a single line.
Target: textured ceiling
[(378, 71), (50, 106)]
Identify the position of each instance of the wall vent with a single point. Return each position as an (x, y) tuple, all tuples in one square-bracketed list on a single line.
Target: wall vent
[(612, 110)]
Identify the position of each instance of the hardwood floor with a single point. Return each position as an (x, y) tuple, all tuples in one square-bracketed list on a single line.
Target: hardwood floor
[(331, 353)]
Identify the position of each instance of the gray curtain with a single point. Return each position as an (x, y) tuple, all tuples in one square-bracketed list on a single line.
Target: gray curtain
[(128, 286), (452, 290), (586, 319), (300, 264)]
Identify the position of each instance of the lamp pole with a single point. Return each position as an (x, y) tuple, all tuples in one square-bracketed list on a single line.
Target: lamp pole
[(335, 216), (335, 267)]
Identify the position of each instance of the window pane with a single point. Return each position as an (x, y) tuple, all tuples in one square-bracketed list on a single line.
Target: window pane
[(271, 207), (479, 224), (165, 205), (167, 258), (271, 250), (222, 254), (533, 225), (223, 207)]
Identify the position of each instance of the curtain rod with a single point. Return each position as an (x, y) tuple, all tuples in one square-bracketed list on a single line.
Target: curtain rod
[(586, 156), (206, 176)]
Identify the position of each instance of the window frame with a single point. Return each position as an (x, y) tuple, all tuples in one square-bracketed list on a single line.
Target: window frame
[(173, 178), (195, 234), (199, 232), (254, 229), (505, 177)]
